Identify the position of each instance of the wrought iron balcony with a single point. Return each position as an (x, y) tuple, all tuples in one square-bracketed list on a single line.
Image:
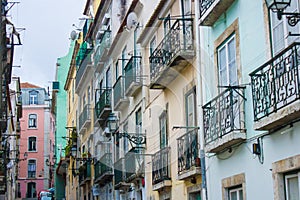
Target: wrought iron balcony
[(103, 104), (172, 54), (224, 120), (84, 118), (101, 51), (120, 100), (84, 173), (161, 163), (119, 175), (188, 155), (275, 90), (133, 75), (103, 169), (84, 68), (211, 10), (134, 165)]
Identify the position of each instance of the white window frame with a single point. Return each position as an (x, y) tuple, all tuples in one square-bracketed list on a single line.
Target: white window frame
[(227, 64), (32, 121), (33, 98), (288, 176), (287, 40), (32, 144), (237, 190)]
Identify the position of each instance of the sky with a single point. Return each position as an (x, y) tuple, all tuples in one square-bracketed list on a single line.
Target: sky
[(48, 24)]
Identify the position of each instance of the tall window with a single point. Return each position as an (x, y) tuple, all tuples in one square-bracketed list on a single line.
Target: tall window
[(227, 62), (108, 78), (167, 24), (292, 184), (33, 97), (32, 122), (163, 131), (235, 193), (190, 101), (125, 140), (31, 190), (32, 144), (31, 169), (152, 45), (124, 56), (186, 7), (281, 29)]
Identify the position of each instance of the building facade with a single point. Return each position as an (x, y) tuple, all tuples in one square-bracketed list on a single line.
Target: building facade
[(183, 99), (36, 141)]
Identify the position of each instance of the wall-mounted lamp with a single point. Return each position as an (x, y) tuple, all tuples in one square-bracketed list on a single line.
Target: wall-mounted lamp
[(278, 6)]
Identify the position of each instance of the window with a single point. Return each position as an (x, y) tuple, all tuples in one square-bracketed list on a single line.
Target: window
[(167, 24), (33, 97), (281, 29), (32, 144), (32, 122), (31, 190), (124, 56), (125, 140), (190, 101), (234, 187), (117, 71), (235, 193), (108, 78), (138, 121), (31, 168), (152, 45), (163, 132), (89, 95), (227, 62), (291, 183), (186, 7)]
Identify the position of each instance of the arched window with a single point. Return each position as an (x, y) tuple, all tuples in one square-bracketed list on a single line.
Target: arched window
[(32, 144), (32, 122)]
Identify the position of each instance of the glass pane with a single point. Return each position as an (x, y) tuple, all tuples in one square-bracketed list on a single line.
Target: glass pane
[(233, 195), (278, 38), (293, 188), (241, 195), (222, 66)]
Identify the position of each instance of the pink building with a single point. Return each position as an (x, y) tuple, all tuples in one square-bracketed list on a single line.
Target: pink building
[(36, 142)]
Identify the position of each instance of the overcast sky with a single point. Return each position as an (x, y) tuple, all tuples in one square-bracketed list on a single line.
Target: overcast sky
[(48, 24)]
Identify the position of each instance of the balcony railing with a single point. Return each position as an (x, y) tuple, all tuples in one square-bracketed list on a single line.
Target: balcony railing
[(101, 49), (120, 100), (103, 104), (188, 153), (211, 10), (161, 166), (103, 169), (276, 85), (224, 115), (134, 165), (84, 117), (84, 66), (133, 75), (84, 173), (173, 51), (119, 174)]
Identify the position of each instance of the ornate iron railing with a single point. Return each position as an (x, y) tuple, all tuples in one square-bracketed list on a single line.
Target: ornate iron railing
[(84, 115), (119, 90), (188, 151), (276, 83), (100, 48), (104, 165), (133, 71), (85, 171), (224, 114), (204, 6), (134, 164), (161, 166), (103, 98), (179, 38), (119, 168)]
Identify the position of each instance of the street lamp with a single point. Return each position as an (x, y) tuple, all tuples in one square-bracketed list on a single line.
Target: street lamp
[(112, 122), (278, 6)]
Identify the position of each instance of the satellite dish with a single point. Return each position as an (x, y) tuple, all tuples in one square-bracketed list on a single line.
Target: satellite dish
[(131, 20), (73, 35)]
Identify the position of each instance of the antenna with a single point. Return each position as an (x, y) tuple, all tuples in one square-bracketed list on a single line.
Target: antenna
[(131, 20)]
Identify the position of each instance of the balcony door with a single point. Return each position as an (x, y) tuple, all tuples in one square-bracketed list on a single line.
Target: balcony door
[(31, 190), (281, 29)]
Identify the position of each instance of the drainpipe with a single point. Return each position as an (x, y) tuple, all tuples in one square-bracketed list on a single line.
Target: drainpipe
[(200, 97)]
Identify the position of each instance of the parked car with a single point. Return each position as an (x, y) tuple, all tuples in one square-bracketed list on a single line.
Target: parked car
[(45, 195)]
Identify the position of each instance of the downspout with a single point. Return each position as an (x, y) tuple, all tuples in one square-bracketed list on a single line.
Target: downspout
[(200, 96)]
